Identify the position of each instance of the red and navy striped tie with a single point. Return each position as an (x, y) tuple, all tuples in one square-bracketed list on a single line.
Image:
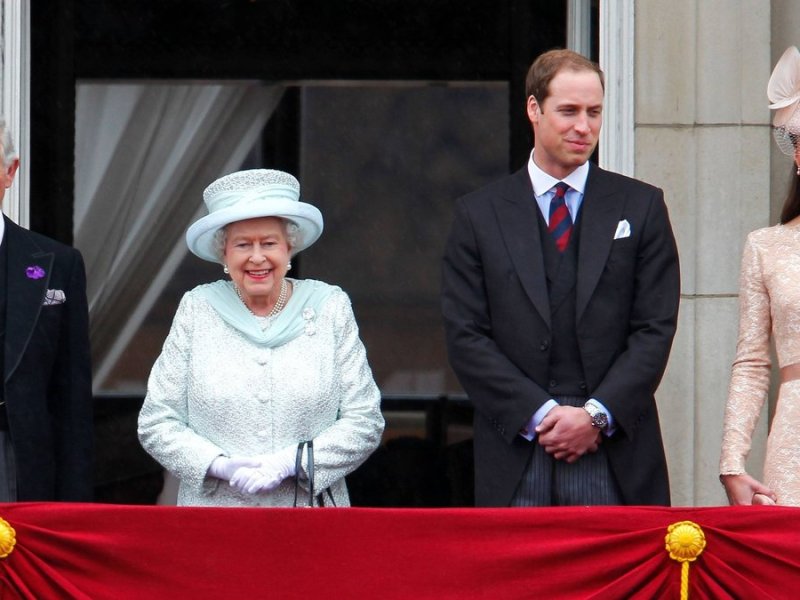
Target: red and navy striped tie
[(560, 224)]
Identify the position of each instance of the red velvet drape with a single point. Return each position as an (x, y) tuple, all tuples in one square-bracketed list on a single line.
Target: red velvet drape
[(118, 552)]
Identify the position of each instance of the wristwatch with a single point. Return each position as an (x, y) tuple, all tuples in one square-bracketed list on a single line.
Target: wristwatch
[(599, 418)]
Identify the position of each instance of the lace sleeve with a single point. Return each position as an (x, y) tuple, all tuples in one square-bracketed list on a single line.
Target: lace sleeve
[(751, 368)]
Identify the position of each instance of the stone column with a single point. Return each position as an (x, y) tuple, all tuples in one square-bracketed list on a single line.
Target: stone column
[(15, 69)]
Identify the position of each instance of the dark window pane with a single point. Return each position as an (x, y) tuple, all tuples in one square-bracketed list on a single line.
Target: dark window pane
[(385, 164)]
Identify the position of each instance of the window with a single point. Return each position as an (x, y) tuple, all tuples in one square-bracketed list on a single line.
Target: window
[(384, 162)]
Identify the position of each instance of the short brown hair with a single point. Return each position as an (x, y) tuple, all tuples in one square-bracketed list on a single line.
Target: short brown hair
[(547, 65)]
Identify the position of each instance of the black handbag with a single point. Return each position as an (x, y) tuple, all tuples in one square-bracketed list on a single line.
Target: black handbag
[(320, 498)]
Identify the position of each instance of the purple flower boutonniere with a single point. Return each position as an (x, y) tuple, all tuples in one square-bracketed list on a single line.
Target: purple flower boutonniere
[(34, 272)]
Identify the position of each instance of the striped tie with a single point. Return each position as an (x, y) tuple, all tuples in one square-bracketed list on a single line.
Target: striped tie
[(560, 224)]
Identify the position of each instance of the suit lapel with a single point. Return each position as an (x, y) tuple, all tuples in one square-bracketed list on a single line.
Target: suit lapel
[(24, 292), (601, 212), (517, 216)]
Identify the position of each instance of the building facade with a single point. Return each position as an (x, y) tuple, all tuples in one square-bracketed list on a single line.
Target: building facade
[(686, 110)]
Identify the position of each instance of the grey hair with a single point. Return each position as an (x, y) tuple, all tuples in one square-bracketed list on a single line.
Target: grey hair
[(291, 229), (9, 153)]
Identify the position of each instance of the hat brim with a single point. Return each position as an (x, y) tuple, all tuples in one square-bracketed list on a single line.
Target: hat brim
[(308, 218), (783, 115), (784, 103)]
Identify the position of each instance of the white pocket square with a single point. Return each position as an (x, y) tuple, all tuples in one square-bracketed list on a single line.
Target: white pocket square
[(54, 297), (623, 230)]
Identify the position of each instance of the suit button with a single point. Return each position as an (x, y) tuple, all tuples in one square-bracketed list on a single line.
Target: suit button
[(545, 345), (582, 385), (553, 383)]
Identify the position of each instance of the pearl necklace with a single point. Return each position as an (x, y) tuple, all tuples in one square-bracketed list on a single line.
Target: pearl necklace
[(279, 304)]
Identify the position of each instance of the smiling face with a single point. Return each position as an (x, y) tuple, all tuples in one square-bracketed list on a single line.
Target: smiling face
[(257, 253), (567, 125)]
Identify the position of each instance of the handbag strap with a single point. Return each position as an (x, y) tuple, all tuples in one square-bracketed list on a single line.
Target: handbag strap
[(310, 471), (298, 463)]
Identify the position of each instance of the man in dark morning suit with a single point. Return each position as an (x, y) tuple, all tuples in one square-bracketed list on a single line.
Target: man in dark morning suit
[(46, 446), (560, 293)]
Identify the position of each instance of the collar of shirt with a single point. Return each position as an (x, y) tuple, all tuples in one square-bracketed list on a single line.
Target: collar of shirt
[(543, 188), (2, 227)]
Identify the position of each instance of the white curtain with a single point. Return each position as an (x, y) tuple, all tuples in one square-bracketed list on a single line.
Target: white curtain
[(144, 152)]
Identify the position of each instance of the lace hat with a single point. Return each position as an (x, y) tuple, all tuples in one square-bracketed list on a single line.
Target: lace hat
[(783, 91), (248, 195)]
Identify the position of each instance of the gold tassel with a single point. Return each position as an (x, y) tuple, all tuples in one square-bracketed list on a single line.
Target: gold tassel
[(8, 538), (685, 542)]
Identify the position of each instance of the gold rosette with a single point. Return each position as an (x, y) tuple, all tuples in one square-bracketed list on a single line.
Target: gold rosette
[(685, 542), (8, 538)]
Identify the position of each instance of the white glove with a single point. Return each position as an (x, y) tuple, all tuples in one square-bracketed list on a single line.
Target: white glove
[(223, 467), (268, 474)]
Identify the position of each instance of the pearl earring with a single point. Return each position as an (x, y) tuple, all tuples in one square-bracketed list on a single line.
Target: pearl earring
[(225, 269), (289, 264)]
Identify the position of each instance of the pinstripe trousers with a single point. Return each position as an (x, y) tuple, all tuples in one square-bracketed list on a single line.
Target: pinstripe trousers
[(550, 482), (8, 474)]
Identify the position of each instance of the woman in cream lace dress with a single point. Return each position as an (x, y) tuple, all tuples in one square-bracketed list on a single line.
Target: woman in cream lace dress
[(769, 310), (255, 364)]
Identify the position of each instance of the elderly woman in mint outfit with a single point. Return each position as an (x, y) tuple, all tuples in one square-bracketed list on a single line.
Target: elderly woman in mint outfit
[(254, 365)]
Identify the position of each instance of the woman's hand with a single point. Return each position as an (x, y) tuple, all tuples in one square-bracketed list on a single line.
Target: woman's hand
[(223, 467), (743, 490), (763, 500), (267, 474)]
